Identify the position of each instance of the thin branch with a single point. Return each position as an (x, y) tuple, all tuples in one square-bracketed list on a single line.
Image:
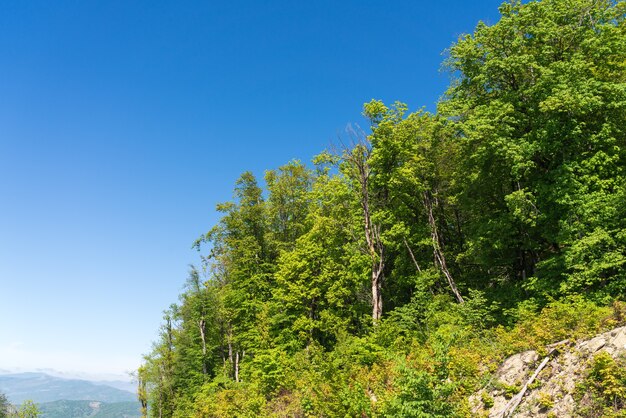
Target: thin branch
[(406, 244)]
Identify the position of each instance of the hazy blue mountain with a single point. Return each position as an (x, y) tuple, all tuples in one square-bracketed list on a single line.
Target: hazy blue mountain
[(42, 388), (89, 409), (108, 379), (113, 380), (118, 384)]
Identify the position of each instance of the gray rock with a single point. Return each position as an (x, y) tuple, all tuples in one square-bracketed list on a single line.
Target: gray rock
[(554, 393)]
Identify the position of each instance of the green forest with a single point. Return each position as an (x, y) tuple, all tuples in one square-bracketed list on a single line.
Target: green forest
[(391, 275)]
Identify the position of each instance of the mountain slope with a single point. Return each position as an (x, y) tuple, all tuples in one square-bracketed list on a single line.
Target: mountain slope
[(43, 388), (89, 409)]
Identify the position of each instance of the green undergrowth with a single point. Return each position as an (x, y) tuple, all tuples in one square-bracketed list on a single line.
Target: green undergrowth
[(419, 376), (603, 391)]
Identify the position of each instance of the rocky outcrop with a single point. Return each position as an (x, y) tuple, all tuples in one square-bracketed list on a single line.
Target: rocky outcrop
[(534, 384)]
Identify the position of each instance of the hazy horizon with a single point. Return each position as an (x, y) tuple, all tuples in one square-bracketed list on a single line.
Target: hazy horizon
[(75, 374)]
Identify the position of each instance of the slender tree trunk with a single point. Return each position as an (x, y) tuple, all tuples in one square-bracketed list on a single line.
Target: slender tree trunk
[(201, 325), (377, 297), (237, 366), (439, 256), (417, 266), (377, 254), (378, 264), (374, 244), (358, 157)]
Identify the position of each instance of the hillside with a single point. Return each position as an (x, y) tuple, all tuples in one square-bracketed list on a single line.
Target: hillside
[(89, 409), (41, 388), (393, 275)]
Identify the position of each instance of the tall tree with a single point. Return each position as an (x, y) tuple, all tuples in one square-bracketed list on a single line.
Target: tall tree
[(288, 202), (409, 161), (241, 262), (356, 167), (319, 281), (539, 107)]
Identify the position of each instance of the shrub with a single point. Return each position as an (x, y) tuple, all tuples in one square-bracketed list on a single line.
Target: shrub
[(603, 391)]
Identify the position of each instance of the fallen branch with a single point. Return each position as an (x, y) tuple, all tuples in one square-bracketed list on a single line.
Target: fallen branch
[(515, 401)]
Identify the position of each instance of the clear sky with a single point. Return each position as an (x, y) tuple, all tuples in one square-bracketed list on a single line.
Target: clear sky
[(123, 123)]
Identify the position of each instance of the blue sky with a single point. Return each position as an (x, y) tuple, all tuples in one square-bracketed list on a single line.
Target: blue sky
[(122, 124)]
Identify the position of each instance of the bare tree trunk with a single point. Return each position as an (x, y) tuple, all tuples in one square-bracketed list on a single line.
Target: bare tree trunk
[(230, 352), (237, 366), (440, 258), (377, 298), (377, 254), (372, 235), (358, 157), (201, 325)]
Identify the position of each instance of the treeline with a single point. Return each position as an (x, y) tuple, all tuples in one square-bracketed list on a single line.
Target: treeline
[(390, 275), (28, 409)]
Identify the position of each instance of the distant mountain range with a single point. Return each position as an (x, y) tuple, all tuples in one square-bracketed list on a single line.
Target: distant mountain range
[(42, 388), (116, 380)]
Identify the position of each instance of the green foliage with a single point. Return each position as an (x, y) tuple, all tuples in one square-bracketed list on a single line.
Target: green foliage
[(487, 400), (232, 401), (507, 390), (569, 318), (493, 226), (28, 409), (4, 405), (603, 392), (545, 400), (422, 393), (541, 121), (269, 369)]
